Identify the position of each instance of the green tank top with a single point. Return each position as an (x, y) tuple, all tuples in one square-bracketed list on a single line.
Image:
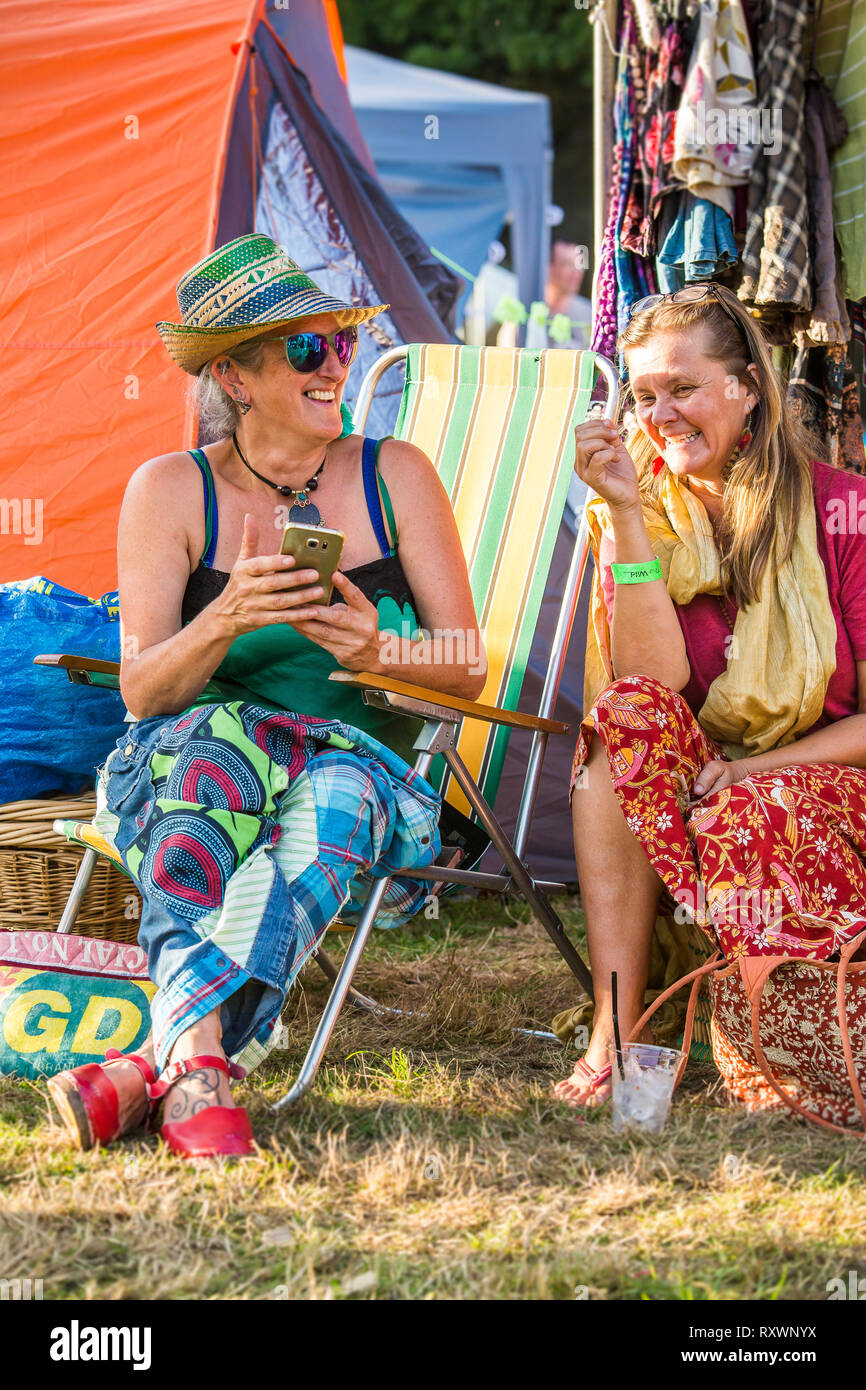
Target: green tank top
[(278, 667)]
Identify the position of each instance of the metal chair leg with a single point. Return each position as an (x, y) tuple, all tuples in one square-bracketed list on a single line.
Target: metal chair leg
[(427, 743), (77, 891), (361, 1001), (331, 972), (322, 1036)]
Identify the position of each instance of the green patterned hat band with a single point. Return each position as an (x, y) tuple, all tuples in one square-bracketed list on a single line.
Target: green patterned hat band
[(248, 285)]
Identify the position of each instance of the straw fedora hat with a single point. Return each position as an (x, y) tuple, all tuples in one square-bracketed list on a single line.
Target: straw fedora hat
[(239, 291)]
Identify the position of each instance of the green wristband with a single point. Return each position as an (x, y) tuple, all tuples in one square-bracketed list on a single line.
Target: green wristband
[(637, 574)]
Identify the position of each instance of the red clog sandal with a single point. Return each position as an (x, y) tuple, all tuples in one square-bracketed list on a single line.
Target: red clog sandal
[(216, 1130), (87, 1101)]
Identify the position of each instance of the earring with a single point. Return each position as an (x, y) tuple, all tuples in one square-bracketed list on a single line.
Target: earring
[(243, 406), (741, 445), (746, 437), (658, 465)]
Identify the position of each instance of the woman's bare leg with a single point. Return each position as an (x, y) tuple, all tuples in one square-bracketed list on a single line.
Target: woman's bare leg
[(619, 891), (203, 1087)]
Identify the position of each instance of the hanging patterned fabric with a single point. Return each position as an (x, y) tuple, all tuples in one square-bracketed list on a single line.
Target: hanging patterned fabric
[(823, 391), (826, 131), (776, 265), (828, 321), (857, 315), (612, 265), (718, 128), (634, 277), (604, 320), (622, 276), (658, 76)]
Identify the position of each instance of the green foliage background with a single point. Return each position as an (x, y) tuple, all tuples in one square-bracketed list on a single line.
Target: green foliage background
[(537, 45)]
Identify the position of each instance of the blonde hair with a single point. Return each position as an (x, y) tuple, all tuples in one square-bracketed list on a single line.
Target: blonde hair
[(771, 480)]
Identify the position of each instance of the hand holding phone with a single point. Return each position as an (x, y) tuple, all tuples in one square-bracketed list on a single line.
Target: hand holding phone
[(315, 547)]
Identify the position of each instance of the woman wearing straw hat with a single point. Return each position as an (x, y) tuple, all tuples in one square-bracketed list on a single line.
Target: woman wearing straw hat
[(252, 790), (719, 769)]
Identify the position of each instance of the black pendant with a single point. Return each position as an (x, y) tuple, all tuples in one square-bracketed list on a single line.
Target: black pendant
[(308, 515)]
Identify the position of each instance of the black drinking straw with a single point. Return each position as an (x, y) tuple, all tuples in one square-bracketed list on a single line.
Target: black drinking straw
[(616, 1036)]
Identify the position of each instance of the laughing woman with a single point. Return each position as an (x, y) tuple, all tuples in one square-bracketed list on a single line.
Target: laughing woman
[(723, 745), (252, 790)]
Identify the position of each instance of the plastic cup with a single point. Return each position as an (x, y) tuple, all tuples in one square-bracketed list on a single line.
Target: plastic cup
[(642, 1094)]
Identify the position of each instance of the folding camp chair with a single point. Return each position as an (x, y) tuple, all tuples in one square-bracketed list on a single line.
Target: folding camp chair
[(499, 426)]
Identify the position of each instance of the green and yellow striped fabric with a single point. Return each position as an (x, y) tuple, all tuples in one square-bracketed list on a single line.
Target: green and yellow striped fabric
[(841, 57), (499, 426)]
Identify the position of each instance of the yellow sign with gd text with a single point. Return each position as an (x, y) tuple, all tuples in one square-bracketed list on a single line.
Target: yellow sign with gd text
[(50, 1020)]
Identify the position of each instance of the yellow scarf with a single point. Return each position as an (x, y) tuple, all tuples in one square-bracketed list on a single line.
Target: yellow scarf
[(784, 649)]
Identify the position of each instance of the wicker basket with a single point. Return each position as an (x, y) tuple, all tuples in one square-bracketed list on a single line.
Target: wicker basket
[(38, 868)]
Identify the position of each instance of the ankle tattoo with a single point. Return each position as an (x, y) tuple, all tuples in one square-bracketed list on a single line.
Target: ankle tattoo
[(194, 1092)]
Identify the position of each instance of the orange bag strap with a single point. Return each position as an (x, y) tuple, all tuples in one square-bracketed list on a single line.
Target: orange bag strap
[(844, 960), (696, 978)]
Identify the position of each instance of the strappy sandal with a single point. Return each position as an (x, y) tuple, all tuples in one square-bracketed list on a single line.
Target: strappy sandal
[(588, 1076), (216, 1130), (88, 1103)]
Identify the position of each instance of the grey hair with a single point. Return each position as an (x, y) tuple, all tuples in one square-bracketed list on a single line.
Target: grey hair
[(218, 414)]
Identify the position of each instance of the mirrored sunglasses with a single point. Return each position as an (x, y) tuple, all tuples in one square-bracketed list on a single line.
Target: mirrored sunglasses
[(306, 352)]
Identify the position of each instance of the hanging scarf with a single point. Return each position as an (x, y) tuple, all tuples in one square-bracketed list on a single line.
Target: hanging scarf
[(773, 690)]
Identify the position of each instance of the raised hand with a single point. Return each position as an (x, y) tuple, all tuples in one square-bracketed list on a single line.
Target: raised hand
[(602, 461), (264, 589)]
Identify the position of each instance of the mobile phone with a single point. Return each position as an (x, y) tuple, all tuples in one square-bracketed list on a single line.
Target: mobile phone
[(314, 548)]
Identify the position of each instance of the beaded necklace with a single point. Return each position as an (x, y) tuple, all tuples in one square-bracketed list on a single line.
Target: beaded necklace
[(725, 612)]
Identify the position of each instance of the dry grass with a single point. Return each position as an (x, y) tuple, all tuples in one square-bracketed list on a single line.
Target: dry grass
[(432, 1162)]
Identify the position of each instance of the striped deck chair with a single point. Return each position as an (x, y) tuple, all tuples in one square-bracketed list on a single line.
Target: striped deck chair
[(499, 426)]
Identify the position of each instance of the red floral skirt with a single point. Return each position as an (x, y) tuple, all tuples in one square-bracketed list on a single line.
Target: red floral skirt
[(774, 865)]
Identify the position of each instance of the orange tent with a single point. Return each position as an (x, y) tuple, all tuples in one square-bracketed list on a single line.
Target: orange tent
[(123, 124)]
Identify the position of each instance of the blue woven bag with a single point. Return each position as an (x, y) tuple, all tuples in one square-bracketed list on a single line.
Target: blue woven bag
[(53, 734)]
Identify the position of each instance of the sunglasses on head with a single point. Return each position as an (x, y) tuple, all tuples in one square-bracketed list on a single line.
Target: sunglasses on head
[(305, 352), (690, 294)]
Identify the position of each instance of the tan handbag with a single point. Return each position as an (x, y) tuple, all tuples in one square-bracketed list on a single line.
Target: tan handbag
[(787, 1031)]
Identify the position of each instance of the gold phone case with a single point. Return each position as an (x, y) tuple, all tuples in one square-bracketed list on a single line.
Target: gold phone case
[(316, 548)]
